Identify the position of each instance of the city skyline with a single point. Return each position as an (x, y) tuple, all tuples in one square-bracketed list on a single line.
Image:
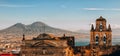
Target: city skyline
[(65, 14)]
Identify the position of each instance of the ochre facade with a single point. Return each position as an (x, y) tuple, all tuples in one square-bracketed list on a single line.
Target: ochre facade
[(101, 35), (100, 40)]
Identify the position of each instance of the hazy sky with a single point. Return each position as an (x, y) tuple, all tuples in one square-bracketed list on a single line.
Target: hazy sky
[(65, 14)]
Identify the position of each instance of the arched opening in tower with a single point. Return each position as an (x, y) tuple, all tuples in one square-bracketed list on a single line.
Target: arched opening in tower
[(104, 39), (97, 39)]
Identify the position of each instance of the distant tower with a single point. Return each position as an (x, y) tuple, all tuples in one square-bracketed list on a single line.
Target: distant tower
[(101, 35), (23, 37)]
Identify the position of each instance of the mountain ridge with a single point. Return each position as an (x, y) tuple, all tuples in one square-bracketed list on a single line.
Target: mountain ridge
[(35, 29)]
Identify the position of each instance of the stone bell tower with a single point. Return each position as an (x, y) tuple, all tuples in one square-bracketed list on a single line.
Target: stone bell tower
[(101, 35)]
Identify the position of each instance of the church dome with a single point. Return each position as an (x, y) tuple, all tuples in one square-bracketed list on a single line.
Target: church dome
[(101, 19), (45, 36)]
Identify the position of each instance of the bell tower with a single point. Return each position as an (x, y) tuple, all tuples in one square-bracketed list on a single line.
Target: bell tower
[(101, 35)]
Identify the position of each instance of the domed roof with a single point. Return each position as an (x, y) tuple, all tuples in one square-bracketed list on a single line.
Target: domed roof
[(45, 36), (101, 19)]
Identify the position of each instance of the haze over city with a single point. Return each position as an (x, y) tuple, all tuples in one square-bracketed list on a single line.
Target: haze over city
[(65, 14)]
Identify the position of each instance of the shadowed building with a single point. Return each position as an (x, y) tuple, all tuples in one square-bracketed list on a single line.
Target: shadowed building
[(47, 45)]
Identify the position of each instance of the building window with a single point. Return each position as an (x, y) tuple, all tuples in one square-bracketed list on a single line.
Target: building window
[(104, 38)]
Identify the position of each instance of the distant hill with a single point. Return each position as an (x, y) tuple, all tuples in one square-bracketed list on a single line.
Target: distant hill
[(115, 32), (34, 29), (83, 31)]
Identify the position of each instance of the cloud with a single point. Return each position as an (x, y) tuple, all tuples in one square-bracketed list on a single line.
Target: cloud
[(101, 9), (93, 9), (11, 5)]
